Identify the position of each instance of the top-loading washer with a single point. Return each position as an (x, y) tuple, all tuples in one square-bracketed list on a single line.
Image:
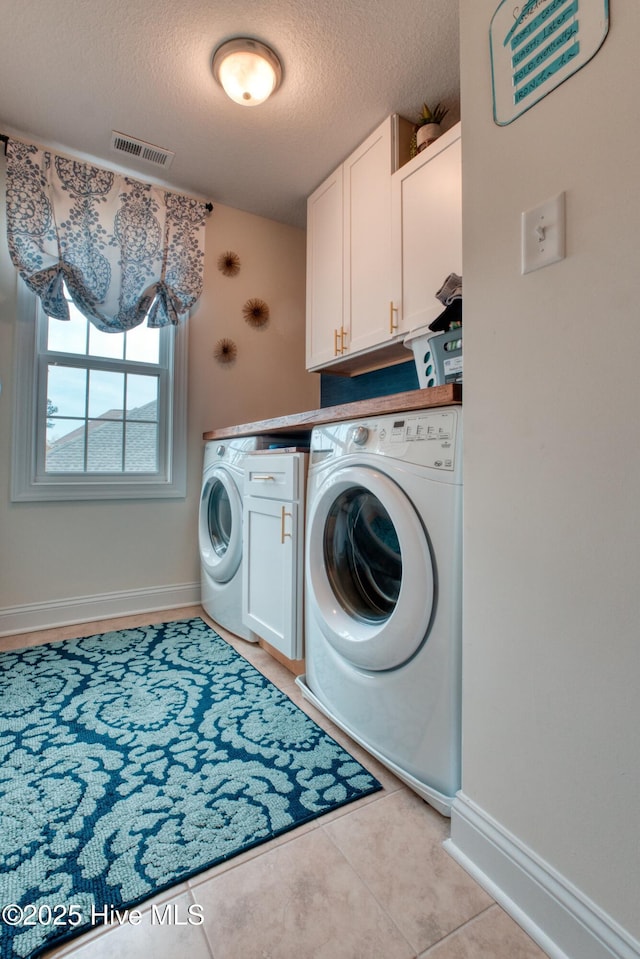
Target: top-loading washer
[(383, 591), (220, 531)]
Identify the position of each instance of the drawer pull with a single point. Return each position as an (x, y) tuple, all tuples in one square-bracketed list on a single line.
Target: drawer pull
[(263, 477), (283, 535)]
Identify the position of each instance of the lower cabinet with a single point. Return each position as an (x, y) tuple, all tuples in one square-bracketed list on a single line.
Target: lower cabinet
[(273, 549)]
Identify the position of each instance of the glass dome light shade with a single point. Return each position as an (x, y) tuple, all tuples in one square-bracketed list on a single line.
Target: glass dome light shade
[(247, 70)]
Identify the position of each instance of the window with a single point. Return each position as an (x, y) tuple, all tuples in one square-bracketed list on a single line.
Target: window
[(97, 415)]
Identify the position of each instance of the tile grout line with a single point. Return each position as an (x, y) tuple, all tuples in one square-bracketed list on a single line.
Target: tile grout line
[(284, 840), (207, 940), (364, 882), (418, 954), (453, 932)]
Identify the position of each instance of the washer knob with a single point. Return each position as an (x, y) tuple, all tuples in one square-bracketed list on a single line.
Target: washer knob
[(221, 449), (360, 435)]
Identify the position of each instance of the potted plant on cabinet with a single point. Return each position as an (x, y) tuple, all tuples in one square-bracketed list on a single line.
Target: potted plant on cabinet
[(427, 129)]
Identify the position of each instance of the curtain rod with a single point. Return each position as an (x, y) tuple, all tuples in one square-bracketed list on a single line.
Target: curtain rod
[(5, 139)]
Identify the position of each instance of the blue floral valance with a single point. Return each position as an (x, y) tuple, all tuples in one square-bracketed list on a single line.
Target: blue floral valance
[(125, 250)]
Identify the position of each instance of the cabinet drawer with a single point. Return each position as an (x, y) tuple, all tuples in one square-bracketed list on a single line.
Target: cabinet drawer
[(275, 476)]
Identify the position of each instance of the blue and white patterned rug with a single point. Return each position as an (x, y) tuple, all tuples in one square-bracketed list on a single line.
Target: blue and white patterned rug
[(132, 760)]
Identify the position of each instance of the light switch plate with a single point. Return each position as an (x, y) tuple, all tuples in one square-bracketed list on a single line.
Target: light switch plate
[(543, 234)]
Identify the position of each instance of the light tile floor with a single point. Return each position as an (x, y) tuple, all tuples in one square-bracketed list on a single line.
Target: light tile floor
[(368, 881)]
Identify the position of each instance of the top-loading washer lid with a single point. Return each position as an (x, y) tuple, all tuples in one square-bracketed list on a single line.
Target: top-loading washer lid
[(369, 569), (220, 524)]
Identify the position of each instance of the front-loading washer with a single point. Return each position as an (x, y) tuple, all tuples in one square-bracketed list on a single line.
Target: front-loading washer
[(220, 531), (383, 578)]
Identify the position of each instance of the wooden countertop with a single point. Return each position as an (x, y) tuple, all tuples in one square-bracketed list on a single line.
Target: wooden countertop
[(447, 395)]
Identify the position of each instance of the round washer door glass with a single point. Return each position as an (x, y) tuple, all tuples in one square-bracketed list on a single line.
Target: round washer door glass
[(220, 525), (369, 570), (219, 518), (362, 555)]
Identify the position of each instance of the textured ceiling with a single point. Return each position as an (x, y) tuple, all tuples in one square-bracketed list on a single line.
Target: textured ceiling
[(71, 71)]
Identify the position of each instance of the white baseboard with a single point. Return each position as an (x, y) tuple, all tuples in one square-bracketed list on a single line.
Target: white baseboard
[(561, 919), (86, 609)]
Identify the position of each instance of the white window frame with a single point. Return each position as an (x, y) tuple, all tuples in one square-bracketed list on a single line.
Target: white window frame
[(29, 481)]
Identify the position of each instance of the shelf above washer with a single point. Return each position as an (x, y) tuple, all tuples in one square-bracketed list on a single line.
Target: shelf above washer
[(301, 423)]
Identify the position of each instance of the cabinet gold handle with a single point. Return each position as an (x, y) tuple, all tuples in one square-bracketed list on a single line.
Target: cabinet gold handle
[(283, 535), (392, 309), (340, 334)]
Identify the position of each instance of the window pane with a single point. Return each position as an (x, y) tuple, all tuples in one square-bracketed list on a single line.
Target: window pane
[(143, 344), (66, 391), (105, 344), (141, 450), (65, 446), (104, 446), (53, 387), (142, 397), (68, 337), (106, 394)]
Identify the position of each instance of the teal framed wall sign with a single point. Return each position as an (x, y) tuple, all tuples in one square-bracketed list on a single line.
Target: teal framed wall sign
[(537, 45)]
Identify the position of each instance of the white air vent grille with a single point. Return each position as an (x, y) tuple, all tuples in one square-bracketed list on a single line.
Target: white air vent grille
[(122, 143)]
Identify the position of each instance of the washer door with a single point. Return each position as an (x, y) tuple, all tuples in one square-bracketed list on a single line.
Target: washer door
[(369, 569), (220, 525)]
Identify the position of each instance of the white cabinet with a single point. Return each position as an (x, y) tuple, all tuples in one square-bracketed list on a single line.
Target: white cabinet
[(427, 229), (325, 272), (273, 549), (349, 264), (367, 241)]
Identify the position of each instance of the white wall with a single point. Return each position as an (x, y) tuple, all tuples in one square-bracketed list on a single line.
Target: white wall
[(552, 470), (53, 551)]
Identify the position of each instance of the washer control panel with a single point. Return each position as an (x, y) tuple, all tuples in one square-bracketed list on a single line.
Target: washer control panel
[(426, 438), (435, 429)]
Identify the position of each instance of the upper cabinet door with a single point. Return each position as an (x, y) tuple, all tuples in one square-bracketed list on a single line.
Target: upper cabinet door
[(427, 229), (367, 240), (325, 272), (349, 264)]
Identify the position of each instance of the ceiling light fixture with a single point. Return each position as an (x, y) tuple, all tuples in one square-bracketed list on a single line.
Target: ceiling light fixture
[(247, 70)]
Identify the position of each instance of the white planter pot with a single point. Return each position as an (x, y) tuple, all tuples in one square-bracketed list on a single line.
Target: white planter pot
[(426, 134)]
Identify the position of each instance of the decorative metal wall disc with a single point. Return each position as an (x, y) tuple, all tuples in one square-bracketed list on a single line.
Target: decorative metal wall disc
[(255, 312), (229, 263), (225, 351)]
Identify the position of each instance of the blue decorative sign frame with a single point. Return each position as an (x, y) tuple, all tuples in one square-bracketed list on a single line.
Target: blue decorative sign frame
[(537, 45)]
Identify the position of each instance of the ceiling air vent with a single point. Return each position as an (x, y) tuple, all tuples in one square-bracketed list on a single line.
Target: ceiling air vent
[(122, 143)]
